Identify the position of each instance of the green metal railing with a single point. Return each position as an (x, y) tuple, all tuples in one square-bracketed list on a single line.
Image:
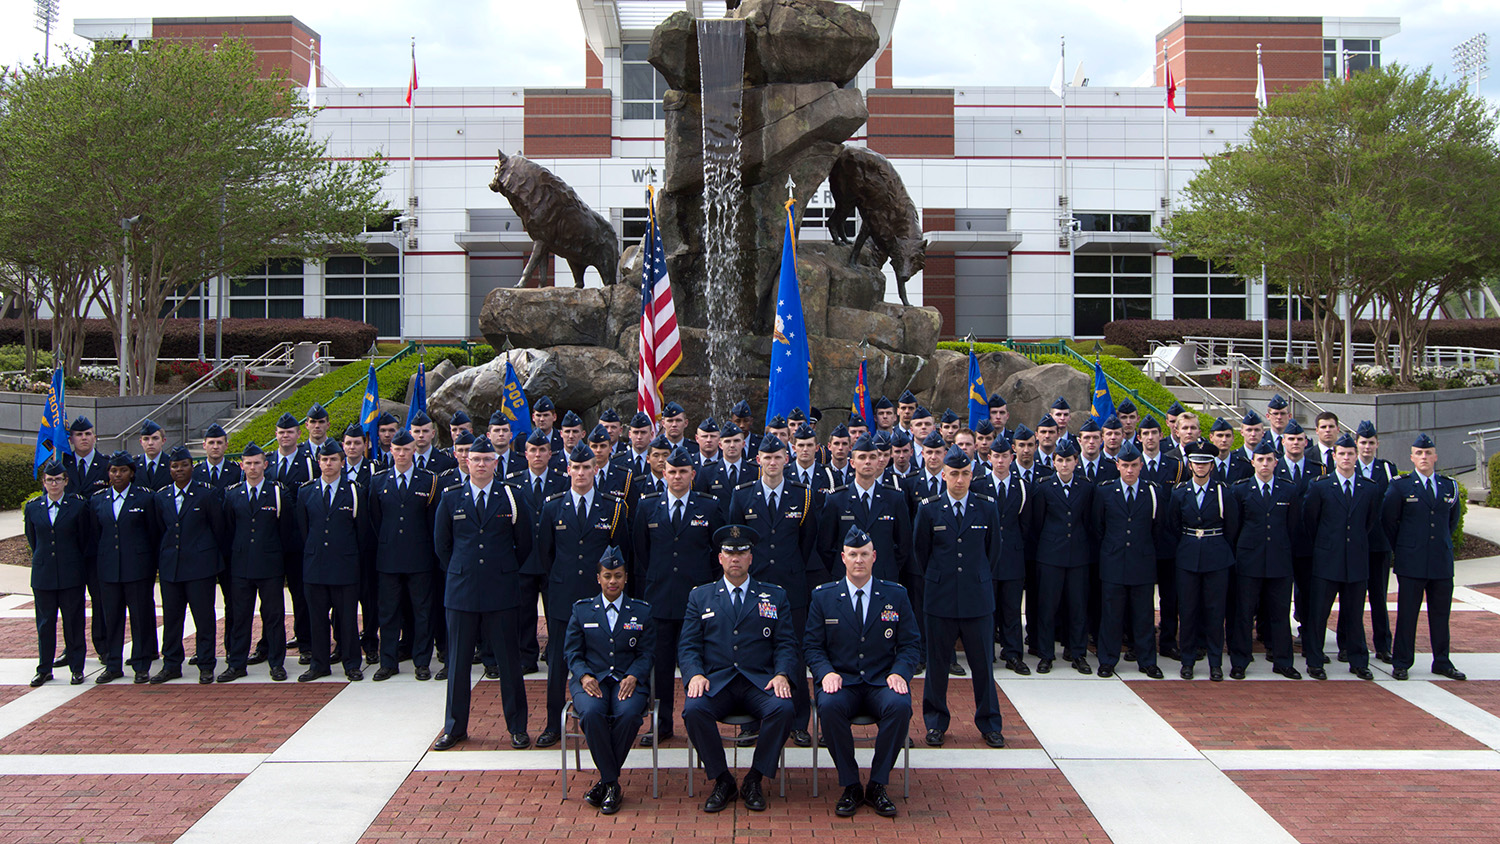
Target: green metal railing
[(359, 385), (1033, 349)]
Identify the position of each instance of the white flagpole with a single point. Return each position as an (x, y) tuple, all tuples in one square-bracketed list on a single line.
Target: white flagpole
[(1166, 159), (1265, 290), (312, 76), (411, 132)]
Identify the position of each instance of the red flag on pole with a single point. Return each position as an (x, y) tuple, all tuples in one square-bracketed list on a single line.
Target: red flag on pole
[(411, 87), (1171, 81)]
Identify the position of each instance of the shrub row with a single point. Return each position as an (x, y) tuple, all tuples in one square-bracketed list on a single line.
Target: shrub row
[(1137, 334), (16, 482), (249, 337)]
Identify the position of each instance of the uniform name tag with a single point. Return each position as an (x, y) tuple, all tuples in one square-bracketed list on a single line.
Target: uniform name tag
[(561, 526), (591, 624), (939, 527), (652, 525), (708, 614), (457, 516), (830, 621), (849, 516), (749, 516)]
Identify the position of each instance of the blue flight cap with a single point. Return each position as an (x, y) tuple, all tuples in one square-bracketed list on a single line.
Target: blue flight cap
[(1276, 403), (354, 430), (384, 419), (80, 424), (52, 468), (1089, 426), (1128, 453), (864, 443), (499, 418), (250, 450), (463, 438), (984, 427), (404, 437), (124, 458), (640, 420), (1365, 430), (149, 427), (571, 420), (539, 437), (1149, 422), (884, 403), (1113, 423), (329, 448), (1176, 409), (609, 415), (600, 434), (949, 417), (1220, 425), (907, 397), (997, 400), (740, 410), (934, 440), (709, 426), (778, 422), (805, 432), (287, 420), (771, 444), (1061, 404), (317, 412), (921, 413), (544, 405), (679, 457), (1001, 445), (1344, 441), (1252, 418), (1022, 433), (482, 445), (672, 409), (1423, 441), (460, 418), (1266, 447), (856, 538), (214, 430), (1126, 406), (1066, 448), (581, 453), (611, 559), (956, 458), (1292, 427), (1046, 422), (421, 418), (839, 431), (900, 439)]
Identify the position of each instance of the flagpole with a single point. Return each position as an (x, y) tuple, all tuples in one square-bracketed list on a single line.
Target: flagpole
[(1066, 203), (1166, 158), (411, 132)]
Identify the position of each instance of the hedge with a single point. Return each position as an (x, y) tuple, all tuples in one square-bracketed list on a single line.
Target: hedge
[(16, 482), (1137, 334), (1493, 498), (1083, 347), (1463, 512), (392, 380), (250, 337)]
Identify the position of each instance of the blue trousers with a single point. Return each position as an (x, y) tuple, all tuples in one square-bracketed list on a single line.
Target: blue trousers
[(700, 716), (610, 724), (978, 635), (834, 712), (497, 629)]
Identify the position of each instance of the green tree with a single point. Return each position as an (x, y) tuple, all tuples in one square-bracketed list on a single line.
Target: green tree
[(1382, 188), (220, 166)]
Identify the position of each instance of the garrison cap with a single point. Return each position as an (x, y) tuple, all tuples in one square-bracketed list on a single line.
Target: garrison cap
[(1089, 426), (839, 431), (949, 417), (124, 458), (214, 430), (1066, 448), (317, 412), (482, 445), (385, 418), (1176, 409), (538, 437), (460, 418), (984, 427), (463, 438), (180, 453), (1344, 441), (921, 413), (679, 457), (581, 453), (1276, 403), (709, 426), (1113, 423), (907, 397), (1061, 404), (1022, 433), (571, 420), (544, 405), (250, 450), (329, 448), (1046, 422), (1265, 447), (1126, 406), (640, 420), (1293, 427), (149, 427), (600, 434), (499, 418), (287, 420), (354, 430), (609, 415), (997, 400), (611, 559), (80, 424), (1149, 422), (805, 432), (1252, 418), (1128, 453), (771, 445), (900, 439), (1001, 445), (672, 409), (740, 410), (404, 437), (856, 538), (884, 403), (52, 468), (1365, 430), (934, 440), (957, 458), (1423, 441), (420, 418), (1220, 425), (864, 443)]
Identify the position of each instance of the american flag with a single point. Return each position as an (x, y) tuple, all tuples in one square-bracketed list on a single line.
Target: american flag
[(661, 344)]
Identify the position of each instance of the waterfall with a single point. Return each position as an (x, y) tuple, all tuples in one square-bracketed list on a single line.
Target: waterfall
[(721, 61)]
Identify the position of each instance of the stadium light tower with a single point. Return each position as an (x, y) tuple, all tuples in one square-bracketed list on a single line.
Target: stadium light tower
[(46, 18), (1470, 59)]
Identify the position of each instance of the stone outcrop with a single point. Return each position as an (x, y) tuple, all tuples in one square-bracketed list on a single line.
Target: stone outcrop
[(1030, 393)]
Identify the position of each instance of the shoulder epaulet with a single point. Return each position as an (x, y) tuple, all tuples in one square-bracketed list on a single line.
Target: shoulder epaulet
[(791, 483), (556, 495), (588, 600), (99, 492), (652, 494), (837, 489), (1184, 483), (832, 584), (378, 472), (982, 496), (313, 482), (747, 484), (932, 498), (709, 495)]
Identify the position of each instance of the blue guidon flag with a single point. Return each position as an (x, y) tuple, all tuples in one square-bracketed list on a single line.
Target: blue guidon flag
[(1104, 406), (513, 405), (370, 410), (791, 361), (860, 406), (418, 395), (979, 400), (52, 436)]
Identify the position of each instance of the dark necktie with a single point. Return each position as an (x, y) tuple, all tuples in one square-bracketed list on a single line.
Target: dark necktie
[(1297, 472), (859, 605), (421, 463), (1091, 471), (1265, 491), (864, 499), (1066, 489), (677, 515), (1349, 489), (213, 475), (254, 497), (479, 503), (739, 600), (282, 472), (958, 511), (538, 488), (583, 510), (734, 477), (402, 484), (771, 503), (1431, 489), (1130, 495), (328, 496)]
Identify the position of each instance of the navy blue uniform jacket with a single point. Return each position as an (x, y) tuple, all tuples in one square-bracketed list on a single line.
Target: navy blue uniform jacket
[(192, 538), (675, 560), (1267, 527), (1340, 529), (1220, 512), (333, 541), (1061, 523), (402, 522), (125, 549), (887, 641), (759, 642), (1127, 531), (888, 522), (482, 552), (590, 647), (567, 550), (1420, 526), (260, 537), (958, 557), (786, 553), (60, 549)]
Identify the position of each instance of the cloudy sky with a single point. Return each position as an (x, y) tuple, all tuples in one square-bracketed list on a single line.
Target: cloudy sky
[(938, 42)]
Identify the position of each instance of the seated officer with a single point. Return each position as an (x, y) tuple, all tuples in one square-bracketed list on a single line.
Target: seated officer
[(737, 654), (608, 648), (863, 644)]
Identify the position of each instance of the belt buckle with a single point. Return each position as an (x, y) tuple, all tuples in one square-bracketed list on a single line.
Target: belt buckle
[(1199, 532)]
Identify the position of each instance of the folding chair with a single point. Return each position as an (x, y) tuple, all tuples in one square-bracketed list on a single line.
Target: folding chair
[(863, 719), (736, 719), (573, 729)]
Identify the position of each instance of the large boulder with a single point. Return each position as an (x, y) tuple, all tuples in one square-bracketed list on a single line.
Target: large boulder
[(547, 316), (1030, 393), (805, 41), (439, 373), (576, 377)]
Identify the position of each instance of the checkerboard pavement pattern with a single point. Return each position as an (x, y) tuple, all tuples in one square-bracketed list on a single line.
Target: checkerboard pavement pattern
[(1336, 761)]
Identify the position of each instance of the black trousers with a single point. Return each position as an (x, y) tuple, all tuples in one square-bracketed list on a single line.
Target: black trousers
[(369, 606), (1379, 588), (977, 635), (557, 675), (609, 724), (135, 597), (1302, 602), (1067, 588), (1409, 594), (836, 709), (301, 625), (1202, 601), (668, 633), (1033, 604), (343, 601), (1008, 618), (700, 719), (401, 594), (1270, 600), (49, 603), (177, 598), (98, 625), (243, 592), (465, 629), (1117, 603), (1351, 596), (226, 588), (526, 619), (1166, 589)]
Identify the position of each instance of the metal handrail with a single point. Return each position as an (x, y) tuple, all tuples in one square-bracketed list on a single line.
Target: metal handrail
[(1063, 349), (407, 350), (1304, 350), (245, 415), (1481, 457), (182, 395), (1292, 394), (1211, 399)]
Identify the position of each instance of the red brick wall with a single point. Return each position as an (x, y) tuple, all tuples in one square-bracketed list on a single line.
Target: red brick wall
[(1216, 62), (910, 123), (279, 46), (883, 65), (593, 69), (939, 274), (567, 123)]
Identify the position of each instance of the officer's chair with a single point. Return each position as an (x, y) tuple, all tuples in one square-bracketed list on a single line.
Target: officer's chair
[(573, 729), (863, 719), (736, 719)]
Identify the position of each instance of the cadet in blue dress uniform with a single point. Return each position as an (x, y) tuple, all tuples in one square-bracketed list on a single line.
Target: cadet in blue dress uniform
[(1301, 469), (886, 518), (217, 471), (260, 526), (290, 466), (334, 526), (1382, 472), (58, 531), (1064, 554), (737, 654), (956, 545), (1013, 502), (784, 552), (1127, 512), (608, 646), (428, 457), (483, 533), (863, 645), (1270, 518), (126, 537), (151, 469), (1340, 510), (402, 502), (534, 484), (1165, 471), (741, 416), (88, 470), (1204, 515), (674, 551), (573, 531), (1419, 515), (805, 468), (610, 478), (191, 516)]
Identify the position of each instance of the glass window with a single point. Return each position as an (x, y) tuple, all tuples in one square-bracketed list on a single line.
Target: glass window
[(1202, 289), (365, 292), (1091, 264), (633, 225), (274, 287), (1092, 222), (643, 86), (1109, 287), (1132, 222)]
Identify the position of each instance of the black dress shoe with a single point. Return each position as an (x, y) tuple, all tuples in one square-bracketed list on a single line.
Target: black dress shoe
[(60, 662), (723, 794), (529, 669), (849, 803), (278, 673), (1317, 673), (491, 673), (1152, 671), (1018, 666), (229, 675), (422, 672), (595, 796), (448, 741), (442, 673), (1400, 674), (1216, 675), (1384, 656), (1067, 654), (1081, 665), (193, 660), (1236, 673), (957, 670), (205, 675), (751, 793), (613, 797), (141, 678), (1129, 655), (372, 657), (41, 678), (994, 738), (312, 674), (1186, 672), (1288, 672), (547, 738), (801, 738), (258, 656), (1106, 672), (108, 675), (304, 659), (520, 741), (164, 675), (354, 675), (880, 801), (382, 674), (1451, 673), (1170, 652), (1343, 657), (1362, 673), (76, 679), (935, 738), (745, 737), (1044, 667)]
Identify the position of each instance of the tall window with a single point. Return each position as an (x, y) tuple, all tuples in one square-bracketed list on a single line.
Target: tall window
[(644, 87), (1202, 290), (364, 291), (1107, 288), (273, 290), (1364, 53)]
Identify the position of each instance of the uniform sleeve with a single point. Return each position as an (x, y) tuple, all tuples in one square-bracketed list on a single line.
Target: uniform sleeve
[(903, 534), (921, 541), (442, 531), (909, 652), (573, 650), (1390, 511), (815, 639), (690, 645), (524, 532), (540, 562), (787, 635)]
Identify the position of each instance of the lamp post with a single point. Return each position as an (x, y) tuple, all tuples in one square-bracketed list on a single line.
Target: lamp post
[(128, 225)]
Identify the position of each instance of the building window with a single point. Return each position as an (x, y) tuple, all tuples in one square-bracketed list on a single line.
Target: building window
[(189, 308), (1204, 290), (1108, 288), (819, 218), (272, 290), (1276, 307), (364, 291), (1099, 222), (633, 224), (644, 87), (1364, 53)]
